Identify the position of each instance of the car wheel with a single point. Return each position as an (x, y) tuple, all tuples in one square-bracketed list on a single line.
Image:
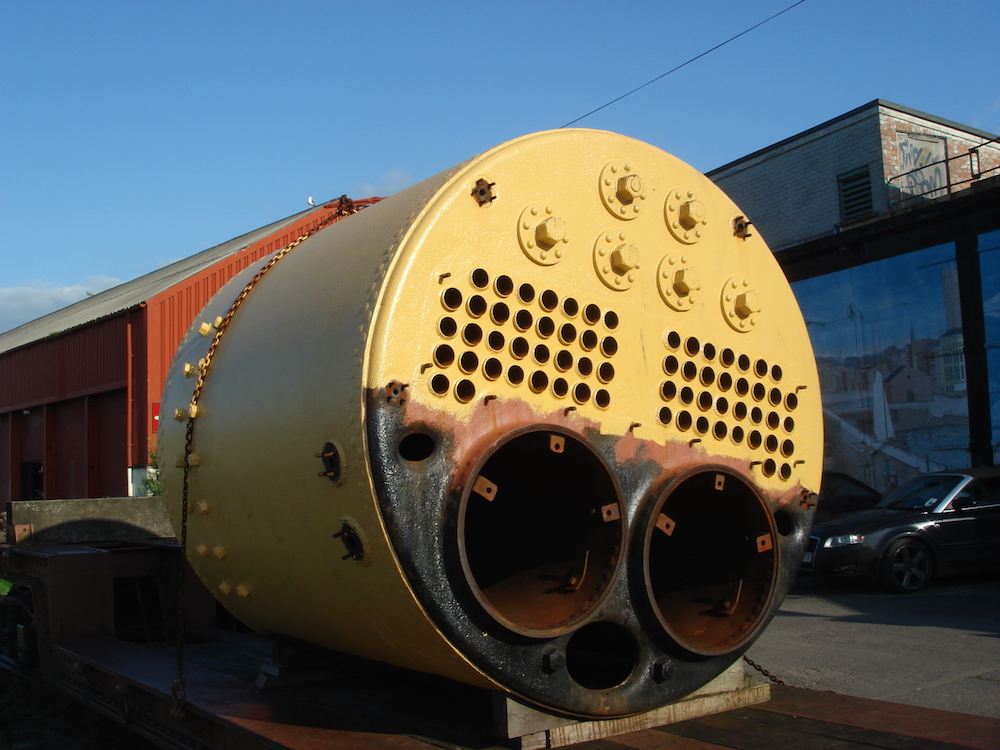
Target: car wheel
[(906, 566)]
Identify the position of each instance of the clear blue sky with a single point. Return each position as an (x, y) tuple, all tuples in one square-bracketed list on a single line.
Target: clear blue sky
[(134, 133)]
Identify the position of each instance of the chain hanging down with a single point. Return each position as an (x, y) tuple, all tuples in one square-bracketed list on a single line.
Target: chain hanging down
[(345, 207)]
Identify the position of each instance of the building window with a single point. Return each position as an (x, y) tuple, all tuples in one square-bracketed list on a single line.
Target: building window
[(855, 191)]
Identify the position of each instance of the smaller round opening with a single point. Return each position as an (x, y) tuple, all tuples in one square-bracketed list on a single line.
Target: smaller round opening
[(440, 384), (472, 334), (477, 305), (602, 398), (503, 286), (447, 327), (541, 354), (526, 293), (743, 362), (611, 320), (515, 374), (451, 298), (691, 346), (667, 390), (492, 368), (601, 655), (417, 446), (760, 368), (727, 357), (538, 381), (523, 320), (567, 334), (665, 415), (465, 391), (468, 362), (588, 340), (592, 314), (606, 372), (609, 346), (519, 347), (570, 307), (480, 278), (549, 300), (495, 341), (581, 393), (709, 351), (560, 387), (584, 366), (500, 313), (564, 360), (444, 355), (545, 327)]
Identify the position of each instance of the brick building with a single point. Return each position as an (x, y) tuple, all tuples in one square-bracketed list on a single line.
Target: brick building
[(864, 164), (887, 222)]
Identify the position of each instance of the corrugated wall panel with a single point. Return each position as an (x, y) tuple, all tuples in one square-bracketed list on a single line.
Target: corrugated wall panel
[(86, 359), (171, 313)]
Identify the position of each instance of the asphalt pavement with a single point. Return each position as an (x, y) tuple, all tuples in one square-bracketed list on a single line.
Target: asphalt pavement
[(939, 648)]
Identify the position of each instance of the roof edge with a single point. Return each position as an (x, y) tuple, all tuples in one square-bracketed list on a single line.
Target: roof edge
[(875, 104)]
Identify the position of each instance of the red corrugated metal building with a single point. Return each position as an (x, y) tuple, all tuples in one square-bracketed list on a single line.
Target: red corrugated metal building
[(80, 388)]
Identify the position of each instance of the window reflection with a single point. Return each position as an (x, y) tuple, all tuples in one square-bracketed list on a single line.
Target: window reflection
[(888, 342)]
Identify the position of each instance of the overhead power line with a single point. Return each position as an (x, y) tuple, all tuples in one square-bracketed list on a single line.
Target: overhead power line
[(683, 64)]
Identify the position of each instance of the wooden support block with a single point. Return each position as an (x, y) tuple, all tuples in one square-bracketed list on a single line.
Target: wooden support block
[(537, 729)]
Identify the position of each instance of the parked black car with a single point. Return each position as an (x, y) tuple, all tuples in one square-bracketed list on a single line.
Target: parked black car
[(840, 494), (936, 524)]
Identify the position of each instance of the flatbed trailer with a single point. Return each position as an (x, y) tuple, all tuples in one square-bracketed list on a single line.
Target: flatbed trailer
[(96, 622), (361, 709)]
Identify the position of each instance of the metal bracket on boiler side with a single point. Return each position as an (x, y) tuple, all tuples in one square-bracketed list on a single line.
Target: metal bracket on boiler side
[(534, 729)]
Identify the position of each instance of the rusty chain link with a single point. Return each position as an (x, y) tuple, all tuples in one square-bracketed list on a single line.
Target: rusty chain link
[(759, 668), (345, 207)]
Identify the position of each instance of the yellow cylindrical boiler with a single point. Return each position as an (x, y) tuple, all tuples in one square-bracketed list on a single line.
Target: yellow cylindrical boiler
[(547, 422)]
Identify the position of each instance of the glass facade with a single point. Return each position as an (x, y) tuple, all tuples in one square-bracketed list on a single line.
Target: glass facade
[(989, 268), (888, 341)]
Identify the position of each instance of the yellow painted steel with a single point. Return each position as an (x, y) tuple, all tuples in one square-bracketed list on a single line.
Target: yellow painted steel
[(575, 278)]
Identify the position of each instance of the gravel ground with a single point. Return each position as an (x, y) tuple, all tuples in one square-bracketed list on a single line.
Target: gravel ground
[(33, 717)]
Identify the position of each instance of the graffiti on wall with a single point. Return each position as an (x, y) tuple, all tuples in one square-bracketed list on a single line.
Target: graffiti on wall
[(921, 165)]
